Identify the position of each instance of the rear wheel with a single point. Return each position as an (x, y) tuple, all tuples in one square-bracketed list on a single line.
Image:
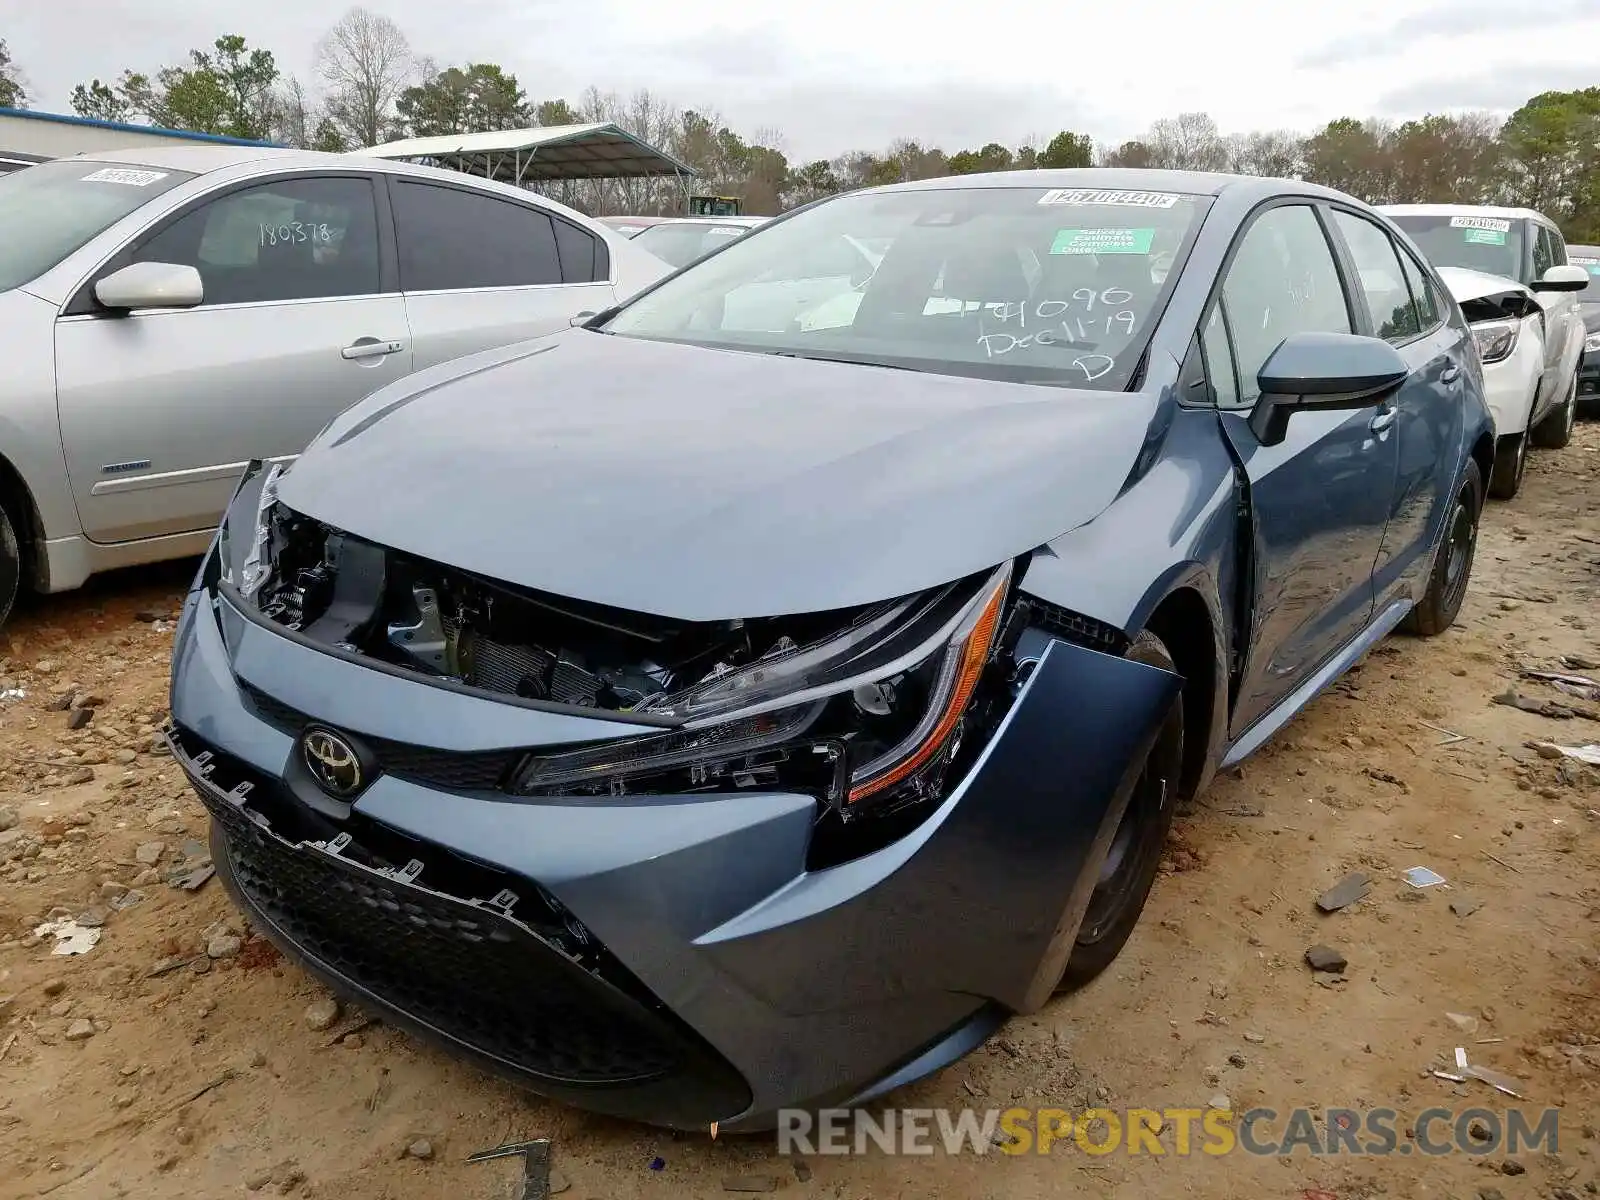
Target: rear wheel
[(1452, 563), (1510, 463), (1130, 865), (1555, 431)]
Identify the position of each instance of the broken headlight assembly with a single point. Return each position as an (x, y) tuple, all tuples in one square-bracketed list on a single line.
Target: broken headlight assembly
[(868, 717), (1496, 339)]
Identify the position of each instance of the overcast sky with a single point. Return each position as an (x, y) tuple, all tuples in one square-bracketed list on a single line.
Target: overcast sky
[(835, 75)]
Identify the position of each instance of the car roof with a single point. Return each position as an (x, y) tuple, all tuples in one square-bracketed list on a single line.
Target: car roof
[(1463, 210), (1131, 179)]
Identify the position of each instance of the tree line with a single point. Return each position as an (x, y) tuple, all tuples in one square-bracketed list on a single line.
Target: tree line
[(369, 85)]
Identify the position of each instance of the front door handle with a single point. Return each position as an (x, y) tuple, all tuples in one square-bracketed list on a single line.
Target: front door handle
[(371, 348), (1383, 420), (1450, 374)]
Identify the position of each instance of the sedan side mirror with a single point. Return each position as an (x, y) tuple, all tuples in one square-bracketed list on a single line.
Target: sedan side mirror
[(1322, 371), (150, 285), (1570, 278)]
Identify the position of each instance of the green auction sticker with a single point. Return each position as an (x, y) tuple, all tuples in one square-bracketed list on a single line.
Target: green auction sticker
[(1485, 237), (1103, 241)]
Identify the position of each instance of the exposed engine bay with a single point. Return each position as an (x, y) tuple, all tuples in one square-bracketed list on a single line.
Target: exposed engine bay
[(866, 709)]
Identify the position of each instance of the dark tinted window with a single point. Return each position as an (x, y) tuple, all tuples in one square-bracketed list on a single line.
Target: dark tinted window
[(291, 239), (1544, 251), (579, 252), (1381, 280), (1281, 281), (452, 238), (1430, 309)]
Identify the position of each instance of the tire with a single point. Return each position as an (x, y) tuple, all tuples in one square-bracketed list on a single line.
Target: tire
[(1452, 561), (10, 565), (1510, 464), (1131, 863), (1555, 431)]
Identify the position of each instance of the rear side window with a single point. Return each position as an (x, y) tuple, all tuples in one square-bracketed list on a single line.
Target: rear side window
[(1543, 252), (583, 256), (450, 239), (1381, 279)]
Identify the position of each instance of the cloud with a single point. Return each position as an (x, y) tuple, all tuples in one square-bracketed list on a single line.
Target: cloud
[(1456, 19), (1500, 90)]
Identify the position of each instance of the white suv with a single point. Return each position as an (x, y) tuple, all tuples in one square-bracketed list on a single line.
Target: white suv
[(1508, 270)]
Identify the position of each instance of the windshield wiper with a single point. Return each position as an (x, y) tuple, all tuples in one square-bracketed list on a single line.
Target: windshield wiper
[(834, 358)]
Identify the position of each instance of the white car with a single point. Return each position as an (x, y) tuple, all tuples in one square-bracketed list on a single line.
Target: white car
[(1507, 268)]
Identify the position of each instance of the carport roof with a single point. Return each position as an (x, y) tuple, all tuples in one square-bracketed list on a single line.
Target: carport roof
[(541, 154)]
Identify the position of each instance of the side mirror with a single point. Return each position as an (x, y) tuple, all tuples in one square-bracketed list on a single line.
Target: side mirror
[(1322, 371), (150, 285), (1570, 278)]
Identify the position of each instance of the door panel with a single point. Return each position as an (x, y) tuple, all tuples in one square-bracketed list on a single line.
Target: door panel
[(160, 411), (1319, 502), (446, 325), (1320, 499)]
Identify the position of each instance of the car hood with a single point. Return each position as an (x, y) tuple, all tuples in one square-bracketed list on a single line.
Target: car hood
[(707, 484), (1474, 285)]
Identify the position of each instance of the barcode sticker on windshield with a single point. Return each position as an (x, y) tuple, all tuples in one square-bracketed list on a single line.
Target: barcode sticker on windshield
[(1498, 224), (124, 175), (1584, 262), (1094, 196)]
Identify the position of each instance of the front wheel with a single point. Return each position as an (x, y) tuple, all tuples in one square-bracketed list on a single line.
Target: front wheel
[(1555, 431), (10, 565), (1452, 562), (1510, 463), (1130, 864)]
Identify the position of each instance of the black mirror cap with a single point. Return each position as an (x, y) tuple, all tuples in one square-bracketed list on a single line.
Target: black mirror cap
[(1326, 371)]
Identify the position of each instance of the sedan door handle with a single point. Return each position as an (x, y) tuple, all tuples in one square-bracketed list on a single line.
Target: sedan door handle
[(371, 348), (1383, 420), (1450, 374)]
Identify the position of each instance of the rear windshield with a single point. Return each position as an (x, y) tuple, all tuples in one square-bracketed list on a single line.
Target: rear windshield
[(1492, 245), (1060, 285), (50, 210), (680, 242), (1587, 257)]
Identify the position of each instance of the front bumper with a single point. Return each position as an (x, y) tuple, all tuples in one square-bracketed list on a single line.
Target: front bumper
[(723, 981)]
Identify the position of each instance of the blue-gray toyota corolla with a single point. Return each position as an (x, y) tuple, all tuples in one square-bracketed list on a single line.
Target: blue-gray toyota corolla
[(749, 698)]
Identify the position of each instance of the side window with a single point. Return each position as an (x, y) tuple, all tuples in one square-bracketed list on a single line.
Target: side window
[(1430, 311), (1558, 247), (291, 239), (1218, 352), (450, 238), (1282, 281), (1382, 281), (1543, 253), (580, 253)]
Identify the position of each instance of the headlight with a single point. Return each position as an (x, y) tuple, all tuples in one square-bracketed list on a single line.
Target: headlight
[(1496, 339), (857, 715), (1591, 343)]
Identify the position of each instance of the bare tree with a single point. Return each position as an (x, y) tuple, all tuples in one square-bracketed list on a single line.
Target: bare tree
[(364, 62)]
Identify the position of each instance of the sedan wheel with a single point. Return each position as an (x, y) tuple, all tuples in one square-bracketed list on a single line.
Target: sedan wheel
[(1130, 865), (1555, 431), (10, 565), (1452, 564)]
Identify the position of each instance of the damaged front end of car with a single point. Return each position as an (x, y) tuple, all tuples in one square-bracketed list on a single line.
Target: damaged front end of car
[(819, 851)]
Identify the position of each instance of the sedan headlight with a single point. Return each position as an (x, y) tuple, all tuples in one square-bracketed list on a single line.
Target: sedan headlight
[(1496, 339), (864, 714), (1591, 343)]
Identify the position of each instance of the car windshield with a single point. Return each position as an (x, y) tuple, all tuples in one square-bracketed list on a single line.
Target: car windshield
[(1587, 257), (1059, 285), (1492, 245), (679, 243), (51, 209)]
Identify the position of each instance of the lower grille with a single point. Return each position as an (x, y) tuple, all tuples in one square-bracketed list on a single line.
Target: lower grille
[(462, 968)]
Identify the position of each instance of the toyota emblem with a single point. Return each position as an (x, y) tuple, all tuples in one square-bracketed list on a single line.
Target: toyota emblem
[(333, 763)]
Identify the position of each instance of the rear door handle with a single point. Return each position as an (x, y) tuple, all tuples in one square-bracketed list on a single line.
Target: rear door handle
[(371, 348), (1383, 420), (1450, 374)]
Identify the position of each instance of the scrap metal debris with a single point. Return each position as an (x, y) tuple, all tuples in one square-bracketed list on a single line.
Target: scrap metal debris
[(1346, 892), (1495, 1079), (1580, 686), (535, 1156), (1422, 877), (1589, 753)]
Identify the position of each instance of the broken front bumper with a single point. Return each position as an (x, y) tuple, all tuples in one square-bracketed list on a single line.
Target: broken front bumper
[(722, 981)]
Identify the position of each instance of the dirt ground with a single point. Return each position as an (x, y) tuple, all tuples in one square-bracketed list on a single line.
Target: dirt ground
[(148, 1068)]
